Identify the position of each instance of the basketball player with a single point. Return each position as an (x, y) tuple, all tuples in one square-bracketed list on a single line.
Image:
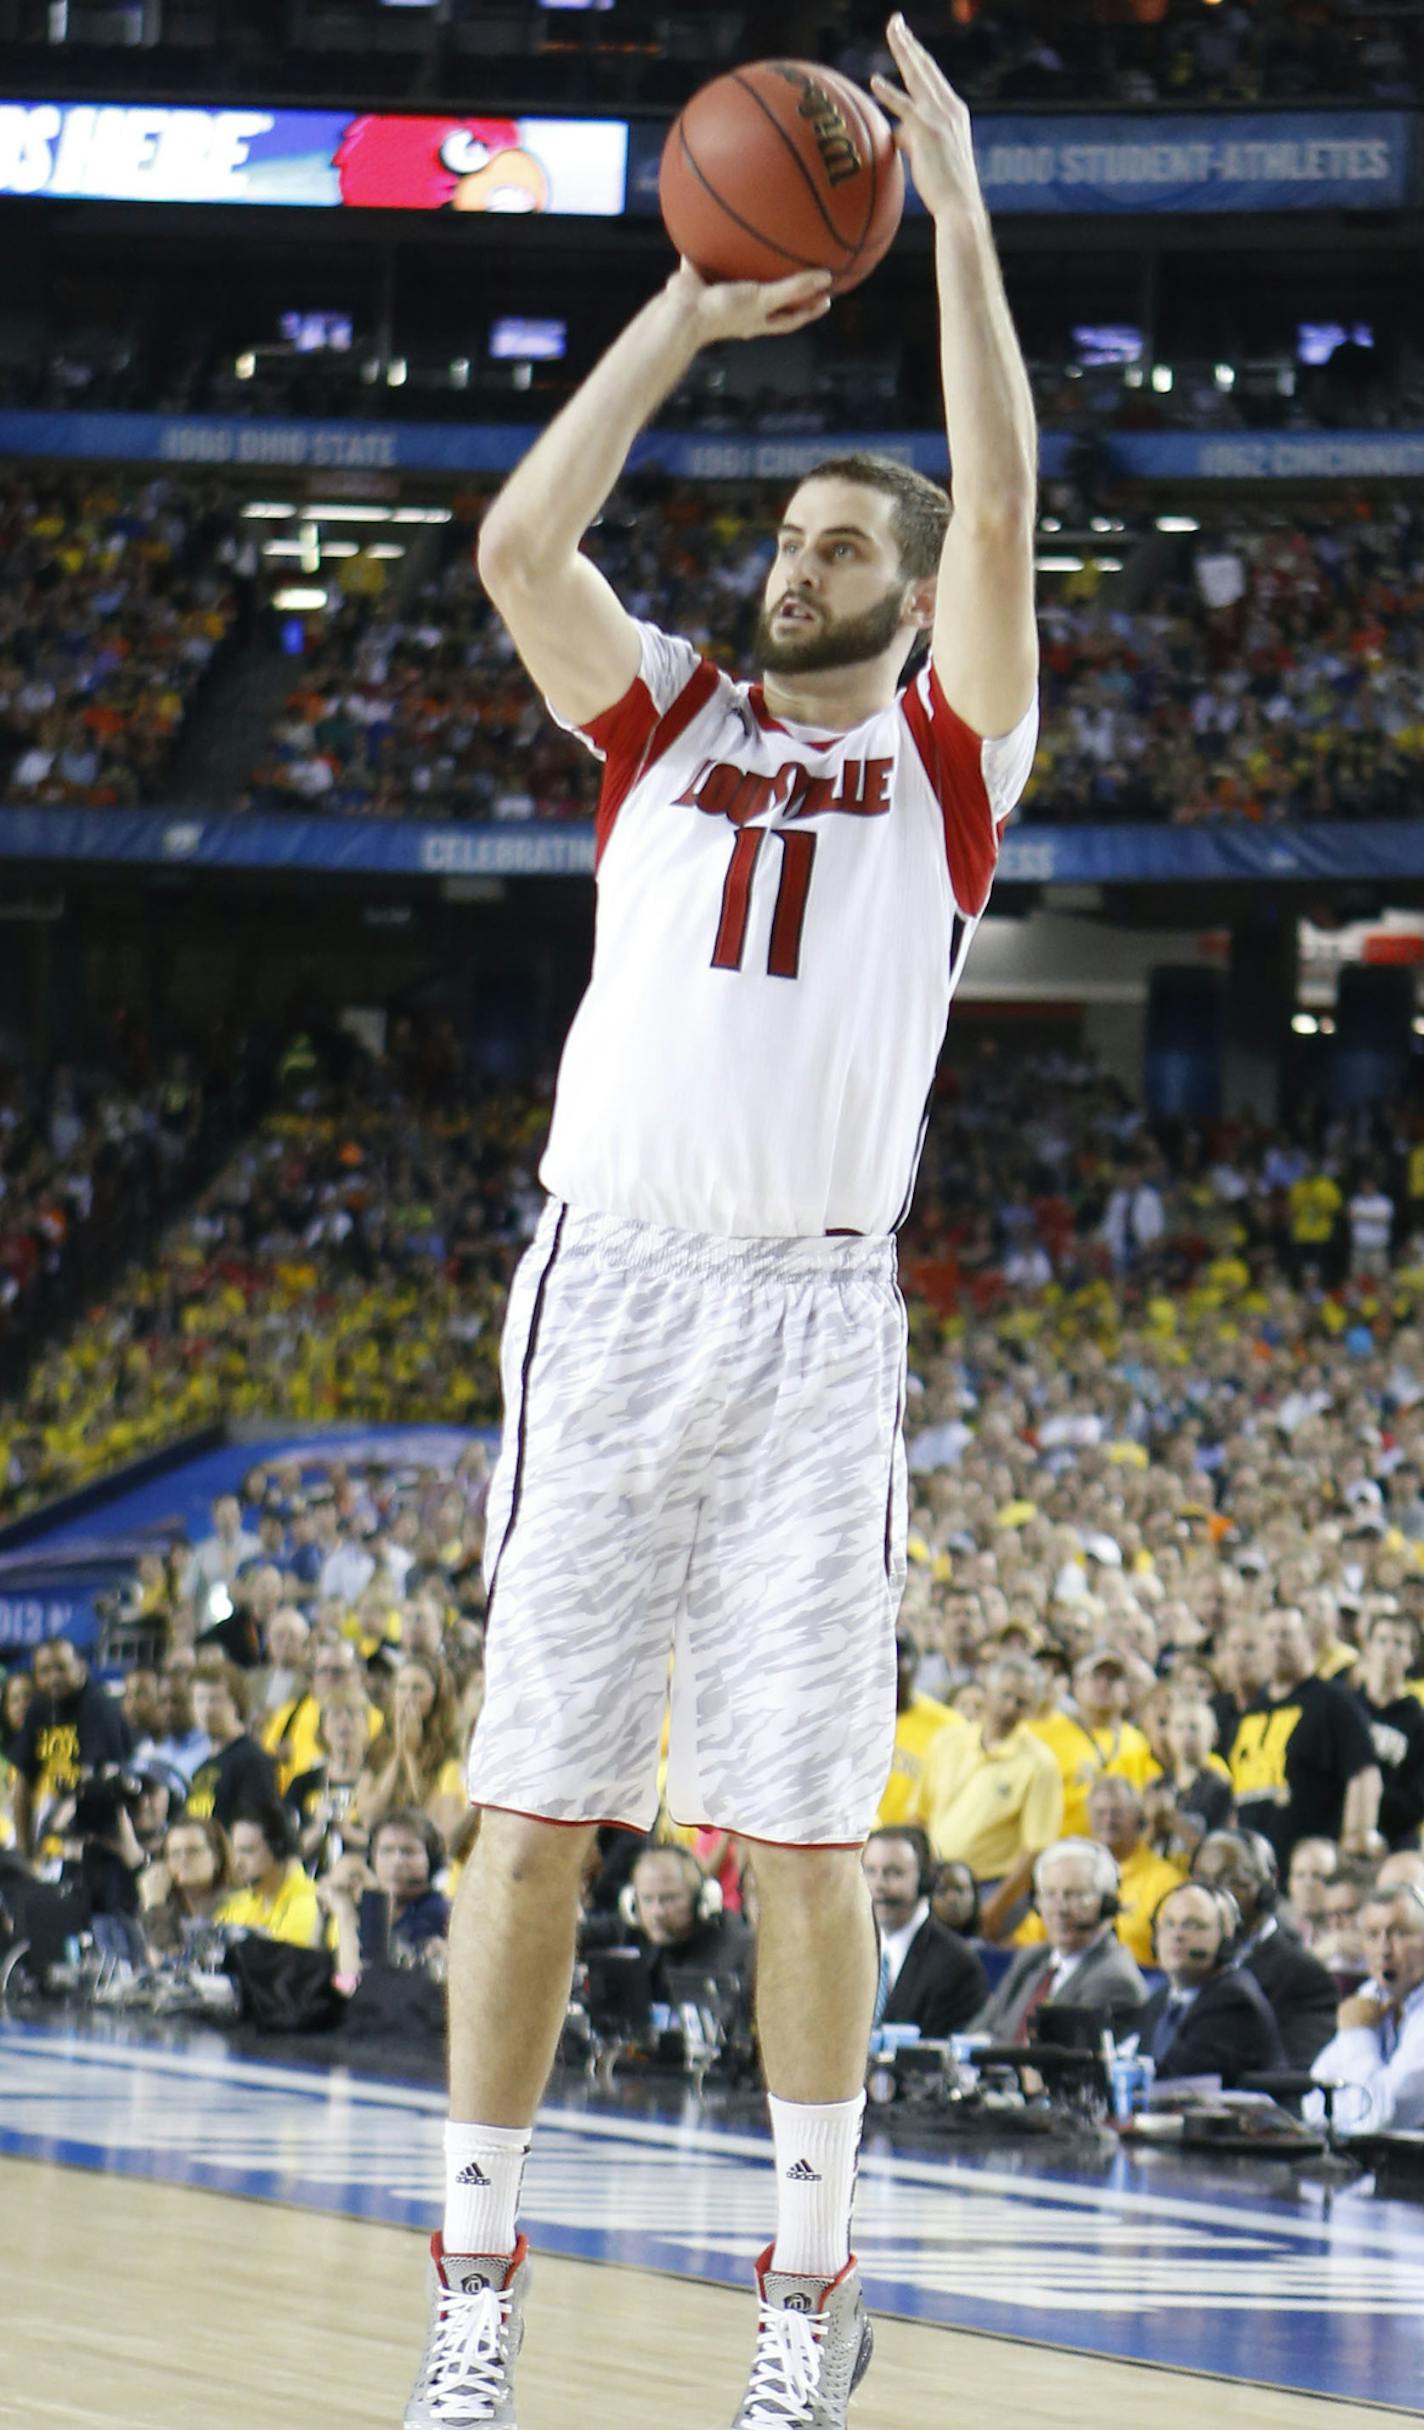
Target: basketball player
[(704, 1353)]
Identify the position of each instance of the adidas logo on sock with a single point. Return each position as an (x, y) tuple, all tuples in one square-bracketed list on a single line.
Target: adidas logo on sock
[(473, 2174), (802, 2173)]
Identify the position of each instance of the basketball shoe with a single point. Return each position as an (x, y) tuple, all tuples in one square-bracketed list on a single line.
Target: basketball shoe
[(476, 2331), (814, 2344)]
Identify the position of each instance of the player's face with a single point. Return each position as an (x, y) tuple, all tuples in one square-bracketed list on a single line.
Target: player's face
[(836, 594)]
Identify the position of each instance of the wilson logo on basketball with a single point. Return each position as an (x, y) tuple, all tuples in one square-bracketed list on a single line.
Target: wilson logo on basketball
[(840, 153)]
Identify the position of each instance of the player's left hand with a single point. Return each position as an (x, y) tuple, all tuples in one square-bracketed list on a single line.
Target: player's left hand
[(931, 126)]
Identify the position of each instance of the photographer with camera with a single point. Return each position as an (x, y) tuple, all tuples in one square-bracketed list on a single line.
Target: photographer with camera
[(183, 1890), (72, 1728), (406, 1854), (103, 1859)]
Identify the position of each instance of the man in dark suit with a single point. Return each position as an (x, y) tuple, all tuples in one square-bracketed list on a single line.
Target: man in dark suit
[(1080, 1963), (1210, 2017), (1301, 1992), (929, 1976)]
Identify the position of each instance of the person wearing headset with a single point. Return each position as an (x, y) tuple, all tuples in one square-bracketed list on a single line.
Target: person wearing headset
[(1210, 2017), (1302, 1993), (273, 1896), (928, 1976), (1377, 2051), (676, 1919), (1080, 1963)]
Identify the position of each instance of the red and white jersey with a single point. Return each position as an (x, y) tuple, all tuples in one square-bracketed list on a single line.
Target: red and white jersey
[(783, 917)]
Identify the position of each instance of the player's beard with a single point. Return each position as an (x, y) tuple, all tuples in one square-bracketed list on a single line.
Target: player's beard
[(832, 641)]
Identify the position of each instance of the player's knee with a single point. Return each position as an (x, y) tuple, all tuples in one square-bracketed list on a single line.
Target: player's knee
[(519, 1852), (808, 1878)]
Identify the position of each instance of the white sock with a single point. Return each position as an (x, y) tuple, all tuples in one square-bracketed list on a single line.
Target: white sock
[(816, 2150), (484, 2171)]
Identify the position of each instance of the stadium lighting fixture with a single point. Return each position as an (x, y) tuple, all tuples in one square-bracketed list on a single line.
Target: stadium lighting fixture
[(397, 371), (1108, 565), (267, 510), (1417, 1026), (1100, 523), (385, 548), (1060, 565), (423, 514), (1162, 378), (1305, 1025), (246, 367), (282, 548), (335, 512), (341, 548), (1178, 523), (1049, 523), (297, 596), (1224, 374)]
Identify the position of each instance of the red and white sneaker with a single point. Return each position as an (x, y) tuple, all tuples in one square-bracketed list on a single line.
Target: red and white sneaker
[(476, 2331), (814, 2344)]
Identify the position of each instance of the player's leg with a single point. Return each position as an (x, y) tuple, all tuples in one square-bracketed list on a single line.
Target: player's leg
[(816, 1976), (783, 1726), (510, 1967), (587, 1549)]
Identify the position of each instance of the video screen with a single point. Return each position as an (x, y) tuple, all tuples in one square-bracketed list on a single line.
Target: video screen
[(1100, 343), (1316, 341), (317, 332), (513, 340)]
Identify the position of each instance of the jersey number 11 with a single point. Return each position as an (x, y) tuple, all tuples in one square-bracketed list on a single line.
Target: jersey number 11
[(798, 853)]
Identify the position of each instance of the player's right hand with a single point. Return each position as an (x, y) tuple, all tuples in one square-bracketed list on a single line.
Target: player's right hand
[(750, 308)]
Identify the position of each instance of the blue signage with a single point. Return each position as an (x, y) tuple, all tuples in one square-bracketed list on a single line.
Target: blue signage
[(216, 441), (1143, 161), (407, 848)]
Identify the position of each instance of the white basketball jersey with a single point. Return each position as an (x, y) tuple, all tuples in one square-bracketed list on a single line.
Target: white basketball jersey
[(783, 917)]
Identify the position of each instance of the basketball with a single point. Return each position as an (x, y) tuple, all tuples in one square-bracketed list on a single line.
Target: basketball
[(779, 167)]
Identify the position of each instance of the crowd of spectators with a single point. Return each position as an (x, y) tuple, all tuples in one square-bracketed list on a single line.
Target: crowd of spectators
[(1276, 674), (117, 601), (349, 1260), (90, 1160), (1159, 1708)]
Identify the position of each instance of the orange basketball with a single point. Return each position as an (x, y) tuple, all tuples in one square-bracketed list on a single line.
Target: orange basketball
[(778, 167)]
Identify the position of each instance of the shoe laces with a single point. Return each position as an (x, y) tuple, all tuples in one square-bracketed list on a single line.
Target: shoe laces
[(786, 2375), (468, 2372)]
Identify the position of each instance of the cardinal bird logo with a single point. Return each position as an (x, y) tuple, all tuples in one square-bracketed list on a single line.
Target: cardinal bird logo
[(439, 164)]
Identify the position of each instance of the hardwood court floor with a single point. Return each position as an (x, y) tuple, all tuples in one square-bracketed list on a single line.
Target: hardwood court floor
[(129, 2305)]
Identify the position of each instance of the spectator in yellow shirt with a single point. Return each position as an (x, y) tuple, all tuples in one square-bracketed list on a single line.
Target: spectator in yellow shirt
[(992, 1796), (919, 1721), (1313, 1210), (274, 1896), (1115, 1816), (1093, 1735)]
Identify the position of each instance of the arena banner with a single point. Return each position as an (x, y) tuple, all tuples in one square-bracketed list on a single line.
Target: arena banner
[(1268, 455), (312, 159), (202, 441), (413, 849), (1145, 161)]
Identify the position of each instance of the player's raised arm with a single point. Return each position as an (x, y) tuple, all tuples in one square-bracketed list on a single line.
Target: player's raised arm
[(984, 640), (577, 641)]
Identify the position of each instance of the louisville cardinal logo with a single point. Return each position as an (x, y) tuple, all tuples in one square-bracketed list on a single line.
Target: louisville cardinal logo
[(438, 164)]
